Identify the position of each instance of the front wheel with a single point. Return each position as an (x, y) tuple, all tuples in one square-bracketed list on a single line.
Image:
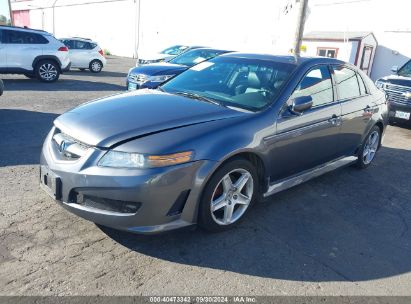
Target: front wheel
[(228, 195), (96, 66), (369, 148), (47, 71)]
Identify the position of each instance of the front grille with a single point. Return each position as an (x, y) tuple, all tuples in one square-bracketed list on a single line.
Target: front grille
[(396, 93), (104, 203), (68, 147), (138, 78)]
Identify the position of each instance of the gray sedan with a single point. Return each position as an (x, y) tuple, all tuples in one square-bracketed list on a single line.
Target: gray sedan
[(212, 141)]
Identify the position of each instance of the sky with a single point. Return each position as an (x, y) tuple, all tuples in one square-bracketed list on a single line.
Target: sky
[(4, 8)]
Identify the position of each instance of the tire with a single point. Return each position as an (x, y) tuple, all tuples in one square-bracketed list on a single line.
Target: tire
[(226, 198), (47, 71), (31, 76), (96, 66), (369, 148)]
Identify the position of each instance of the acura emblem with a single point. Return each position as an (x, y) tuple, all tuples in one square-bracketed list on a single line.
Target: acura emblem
[(407, 95)]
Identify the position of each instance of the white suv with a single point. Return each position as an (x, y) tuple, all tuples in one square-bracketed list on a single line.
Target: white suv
[(85, 54), (33, 53)]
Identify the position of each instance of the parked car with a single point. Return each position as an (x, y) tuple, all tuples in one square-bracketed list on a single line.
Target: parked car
[(152, 75), (164, 55), (207, 144), (1, 87), (33, 53), (398, 89), (85, 54)]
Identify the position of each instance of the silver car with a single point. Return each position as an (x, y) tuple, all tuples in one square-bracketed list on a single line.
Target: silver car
[(210, 142)]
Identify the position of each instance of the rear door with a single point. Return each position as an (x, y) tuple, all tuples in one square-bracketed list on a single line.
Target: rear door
[(305, 141), (356, 104), (81, 53)]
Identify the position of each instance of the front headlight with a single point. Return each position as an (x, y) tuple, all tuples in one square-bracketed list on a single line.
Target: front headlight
[(160, 78), (117, 159), (379, 84)]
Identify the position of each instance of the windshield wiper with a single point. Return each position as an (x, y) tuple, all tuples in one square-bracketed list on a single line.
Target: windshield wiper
[(197, 96)]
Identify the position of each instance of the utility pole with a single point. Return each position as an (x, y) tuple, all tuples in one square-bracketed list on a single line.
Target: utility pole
[(300, 26), (11, 14), (54, 19)]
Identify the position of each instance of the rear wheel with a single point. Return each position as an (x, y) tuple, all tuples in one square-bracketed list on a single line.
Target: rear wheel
[(228, 195), (47, 71), (96, 66), (369, 148)]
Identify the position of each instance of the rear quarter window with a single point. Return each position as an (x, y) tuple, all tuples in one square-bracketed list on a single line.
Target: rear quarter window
[(347, 83)]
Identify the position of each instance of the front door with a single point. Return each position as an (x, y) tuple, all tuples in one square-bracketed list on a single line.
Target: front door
[(366, 59), (310, 139)]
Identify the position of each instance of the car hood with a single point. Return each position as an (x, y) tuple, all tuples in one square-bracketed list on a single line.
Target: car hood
[(159, 69), (116, 119), (398, 80)]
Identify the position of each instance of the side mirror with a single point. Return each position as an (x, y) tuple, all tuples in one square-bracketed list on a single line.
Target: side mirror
[(301, 104), (394, 69)]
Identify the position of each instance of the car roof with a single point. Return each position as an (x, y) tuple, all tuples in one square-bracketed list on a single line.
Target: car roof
[(284, 58), (24, 29)]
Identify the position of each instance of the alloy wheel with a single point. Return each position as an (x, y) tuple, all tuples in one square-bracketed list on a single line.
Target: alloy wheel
[(232, 196), (371, 147), (48, 72), (96, 66)]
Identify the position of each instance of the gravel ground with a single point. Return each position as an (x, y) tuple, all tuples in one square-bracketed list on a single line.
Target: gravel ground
[(345, 233)]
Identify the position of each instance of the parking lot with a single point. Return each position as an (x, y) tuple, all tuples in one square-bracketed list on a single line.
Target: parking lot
[(345, 233)]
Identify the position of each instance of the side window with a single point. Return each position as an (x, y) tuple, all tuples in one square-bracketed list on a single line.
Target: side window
[(68, 43), (347, 82), (317, 84), (363, 90), (40, 39), (19, 37), (82, 45)]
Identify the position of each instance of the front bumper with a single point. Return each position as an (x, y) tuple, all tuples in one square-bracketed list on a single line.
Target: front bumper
[(403, 107), (167, 198)]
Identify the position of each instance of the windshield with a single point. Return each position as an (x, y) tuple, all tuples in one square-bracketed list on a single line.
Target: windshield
[(193, 57), (237, 82), (405, 70), (174, 50)]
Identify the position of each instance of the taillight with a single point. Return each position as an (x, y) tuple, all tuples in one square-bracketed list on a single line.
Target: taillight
[(101, 52), (63, 49)]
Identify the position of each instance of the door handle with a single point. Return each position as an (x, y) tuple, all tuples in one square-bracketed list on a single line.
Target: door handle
[(335, 120), (368, 109)]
